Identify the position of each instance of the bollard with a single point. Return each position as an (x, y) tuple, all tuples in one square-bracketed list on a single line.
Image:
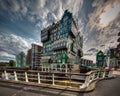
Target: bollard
[(98, 74), (15, 75), (26, 77), (110, 74), (39, 78), (6, 75), (104, 74), (65, 68)]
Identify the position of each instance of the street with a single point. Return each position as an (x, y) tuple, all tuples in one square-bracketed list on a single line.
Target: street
[(11, 89), (104, 88), (109, 87)]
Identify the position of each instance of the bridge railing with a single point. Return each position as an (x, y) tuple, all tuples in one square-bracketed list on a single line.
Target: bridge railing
[(73, 80), (94, 75)]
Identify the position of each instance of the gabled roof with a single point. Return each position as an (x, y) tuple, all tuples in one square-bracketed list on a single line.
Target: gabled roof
[(100, 52)]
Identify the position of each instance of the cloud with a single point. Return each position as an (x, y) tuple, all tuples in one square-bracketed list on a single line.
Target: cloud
[(5, 54), (90, 54), (111, 11), (92, 50), (39, 10), (87, 54), (17, 9), (94, 35), (11, 45), (28, 17)]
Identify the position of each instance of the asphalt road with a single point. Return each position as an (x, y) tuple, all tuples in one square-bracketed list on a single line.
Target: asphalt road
[(10, 89), (109, 87)]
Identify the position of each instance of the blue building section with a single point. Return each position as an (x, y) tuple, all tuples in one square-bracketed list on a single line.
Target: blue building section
[(66, 22), (88, 63)]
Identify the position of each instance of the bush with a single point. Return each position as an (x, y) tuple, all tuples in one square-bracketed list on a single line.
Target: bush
[(84, 69)]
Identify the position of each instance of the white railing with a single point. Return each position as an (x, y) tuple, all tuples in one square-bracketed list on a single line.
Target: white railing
[(54, 78), (95, 75)]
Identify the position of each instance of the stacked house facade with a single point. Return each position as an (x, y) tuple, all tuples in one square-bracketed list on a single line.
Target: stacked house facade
[(62, 43)]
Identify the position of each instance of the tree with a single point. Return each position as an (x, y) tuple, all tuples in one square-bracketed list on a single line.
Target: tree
[(12, 63)]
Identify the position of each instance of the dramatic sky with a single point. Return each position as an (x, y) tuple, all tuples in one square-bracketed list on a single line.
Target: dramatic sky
[(22, 20)]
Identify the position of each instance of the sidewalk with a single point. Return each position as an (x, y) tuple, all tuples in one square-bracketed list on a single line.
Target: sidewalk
[(117, 72)]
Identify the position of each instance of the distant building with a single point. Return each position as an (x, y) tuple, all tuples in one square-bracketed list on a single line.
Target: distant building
[(62, 43), (87, 62), (29, 58), (21, 60), (100, 60), (35, 56), (112, 58)]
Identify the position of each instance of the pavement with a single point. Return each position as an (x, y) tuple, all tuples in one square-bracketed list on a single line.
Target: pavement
[(10, 89)]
